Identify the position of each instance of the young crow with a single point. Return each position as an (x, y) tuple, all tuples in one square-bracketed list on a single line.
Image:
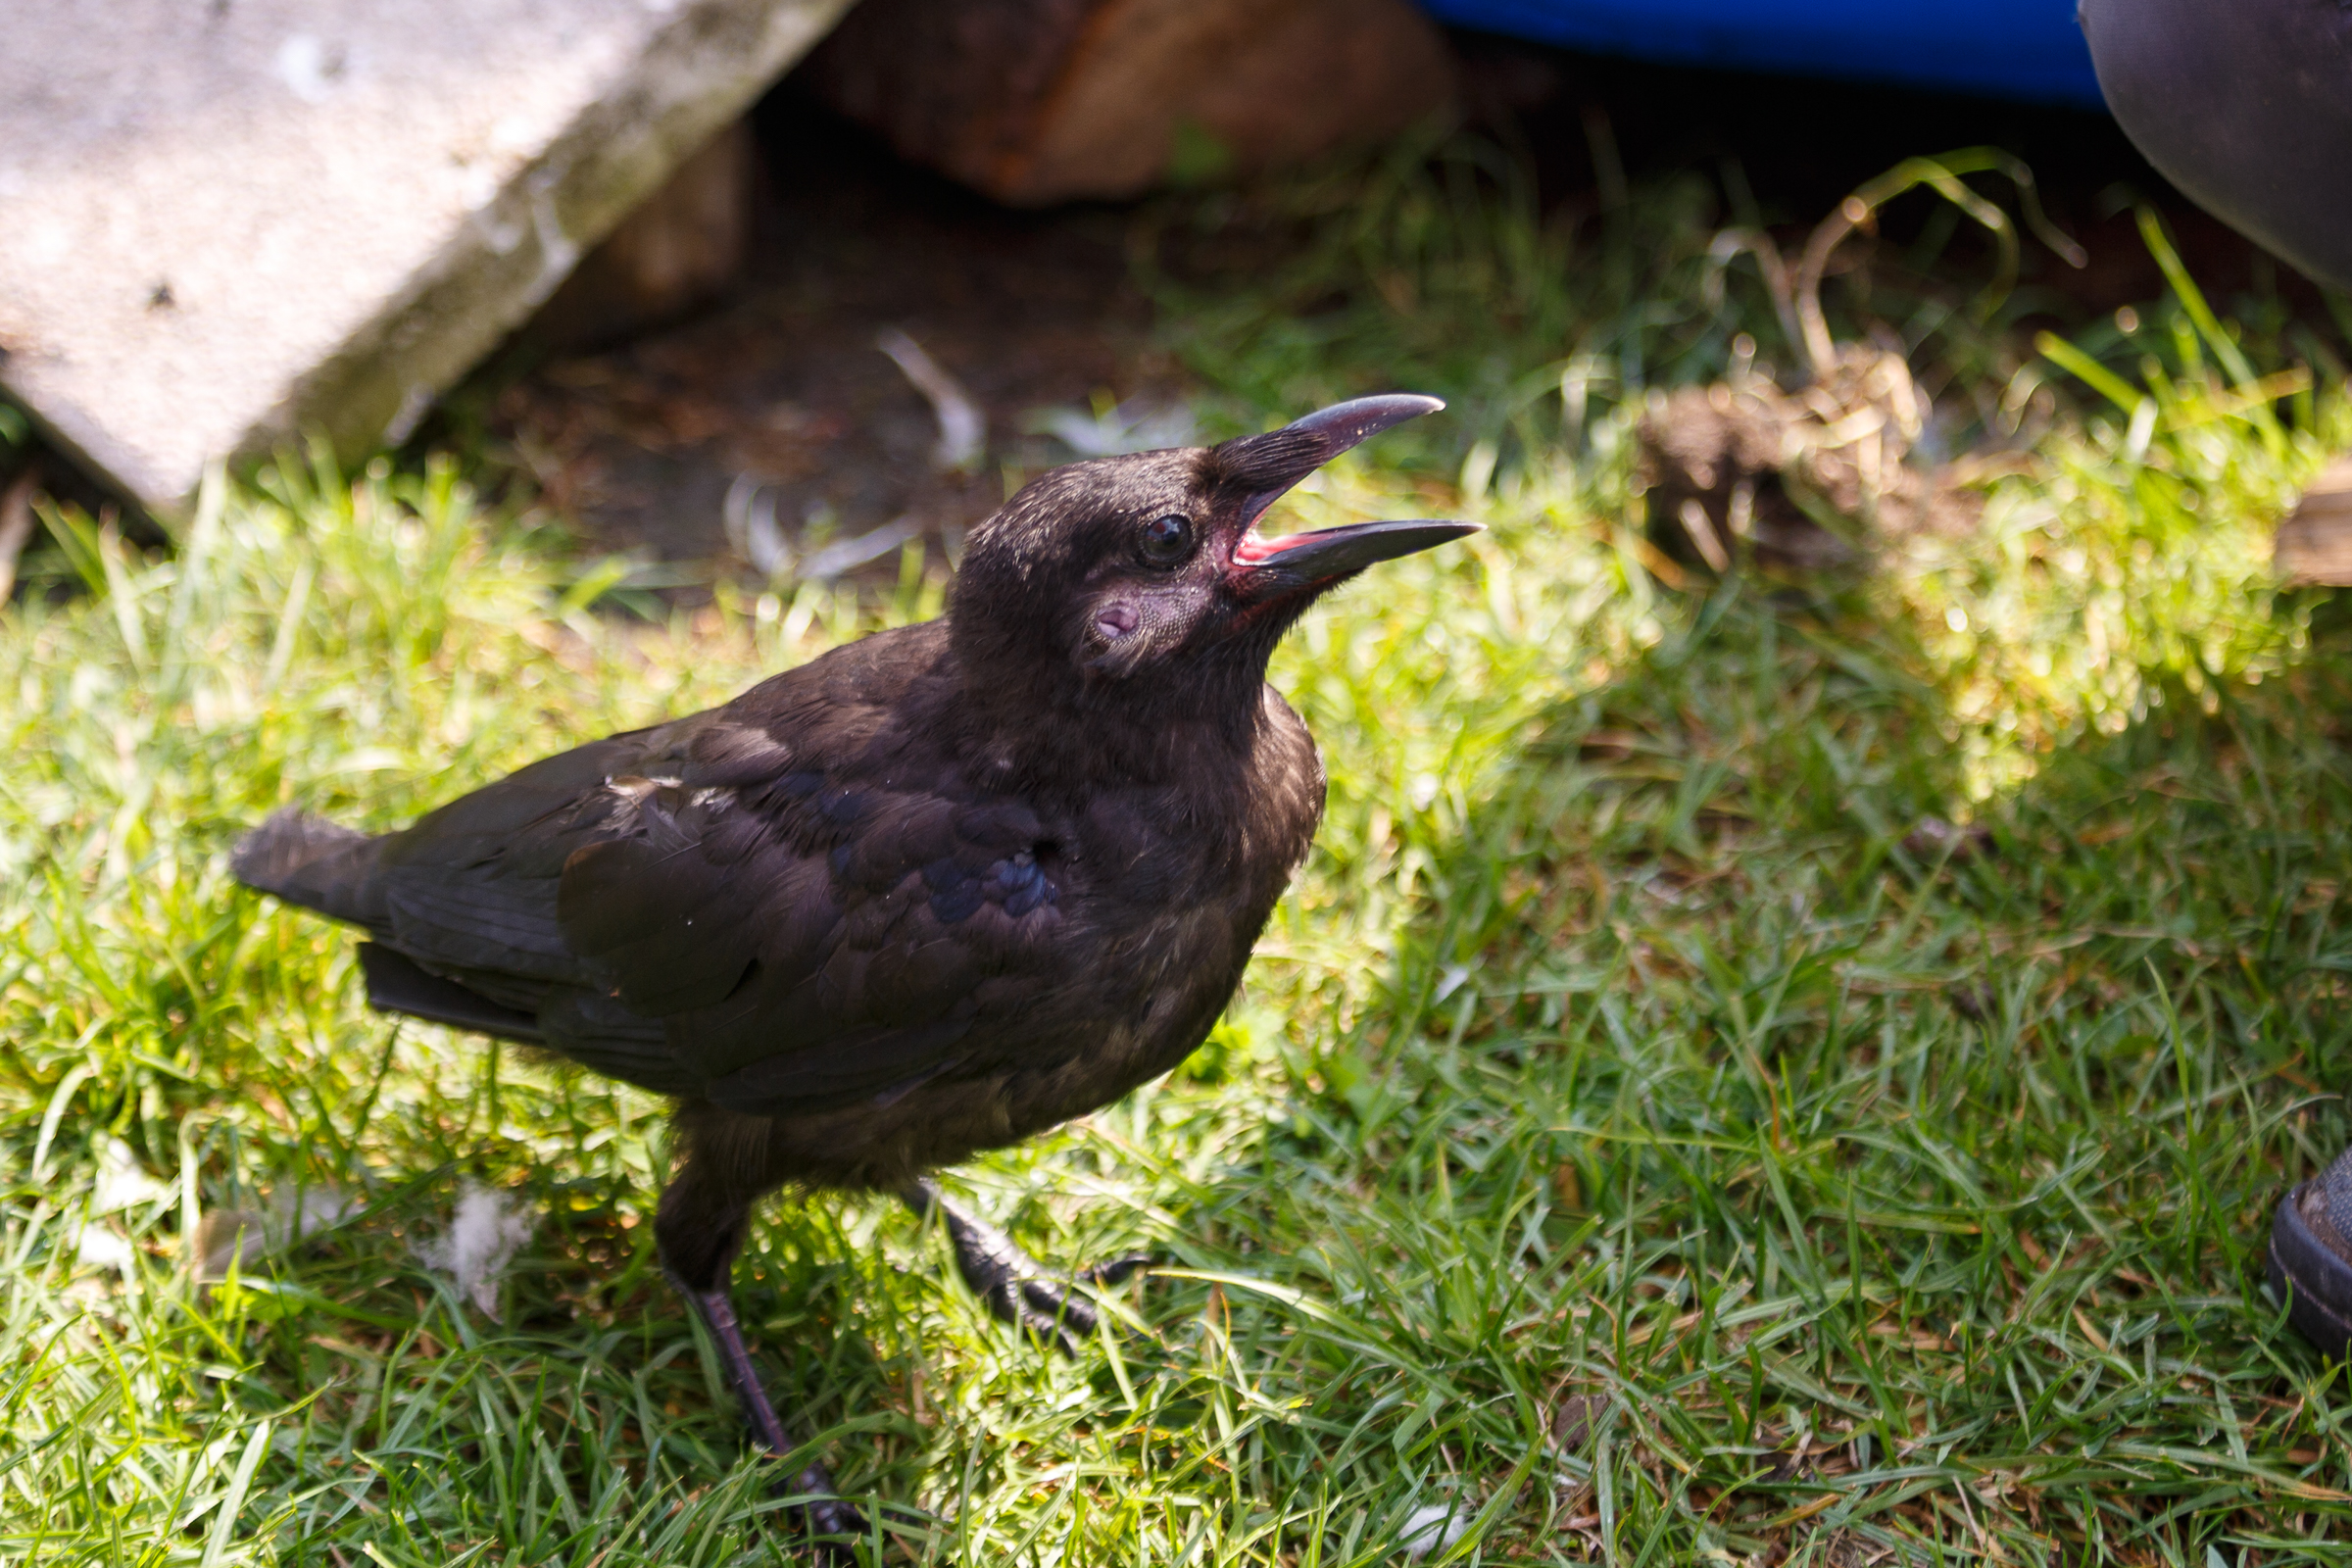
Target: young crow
[(932, 892)]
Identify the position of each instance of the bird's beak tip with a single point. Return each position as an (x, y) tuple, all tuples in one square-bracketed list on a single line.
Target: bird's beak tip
[(1345, 425), (1270, 463)]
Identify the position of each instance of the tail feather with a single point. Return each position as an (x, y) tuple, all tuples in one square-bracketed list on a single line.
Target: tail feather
[(313, 862), (396, 984)]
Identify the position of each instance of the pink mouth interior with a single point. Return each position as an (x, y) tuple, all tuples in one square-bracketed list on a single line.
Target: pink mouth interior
[(1254, 549)]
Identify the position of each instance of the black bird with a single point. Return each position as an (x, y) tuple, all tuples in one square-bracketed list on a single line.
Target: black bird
[(929, 894)]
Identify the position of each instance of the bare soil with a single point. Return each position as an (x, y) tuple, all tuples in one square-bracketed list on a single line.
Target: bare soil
[(641, 442)]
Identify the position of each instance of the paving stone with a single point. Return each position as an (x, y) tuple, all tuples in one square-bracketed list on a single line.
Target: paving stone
[(224, 224)]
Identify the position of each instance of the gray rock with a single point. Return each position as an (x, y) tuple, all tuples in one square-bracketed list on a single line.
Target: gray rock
[(224, 224)]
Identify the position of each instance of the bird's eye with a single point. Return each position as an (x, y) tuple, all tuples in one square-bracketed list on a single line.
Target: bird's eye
[(1167, 540)]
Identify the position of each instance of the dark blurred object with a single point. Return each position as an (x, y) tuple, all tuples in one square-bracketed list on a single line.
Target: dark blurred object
[(1033, 101), (683, 248), (16, 523), (1934, 839), (2245, 105), (2245, 108), (2315, 542), (2248, 109)]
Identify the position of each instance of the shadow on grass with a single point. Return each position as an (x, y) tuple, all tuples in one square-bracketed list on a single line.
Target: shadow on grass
[(1887, 1186)]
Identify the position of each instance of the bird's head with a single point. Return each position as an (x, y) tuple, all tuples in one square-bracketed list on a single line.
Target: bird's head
[(1134, 573)]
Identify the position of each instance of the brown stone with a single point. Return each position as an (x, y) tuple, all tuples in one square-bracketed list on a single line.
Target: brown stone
[(2314, 545), (1040, 101)]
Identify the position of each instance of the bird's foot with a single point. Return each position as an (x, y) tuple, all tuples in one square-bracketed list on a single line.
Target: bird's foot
[(831, 1523), (824, 1513), (1017, 1289)]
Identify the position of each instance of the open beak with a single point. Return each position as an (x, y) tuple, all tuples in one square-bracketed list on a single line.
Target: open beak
[(1269, 568), (1270, 464)]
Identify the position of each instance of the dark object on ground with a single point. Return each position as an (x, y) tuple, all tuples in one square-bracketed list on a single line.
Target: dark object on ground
[(1973, 1001), (1575, 1418), (1934, 838), (1802, 480), (2246, 107), (930, 893), (2314, 545), (1040, 101), (2310, 1257)]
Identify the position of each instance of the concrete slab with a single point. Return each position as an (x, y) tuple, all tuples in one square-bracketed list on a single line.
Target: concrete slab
[(226, 223)]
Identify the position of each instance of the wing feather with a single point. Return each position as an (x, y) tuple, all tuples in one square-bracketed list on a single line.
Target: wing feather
[(764, 905)]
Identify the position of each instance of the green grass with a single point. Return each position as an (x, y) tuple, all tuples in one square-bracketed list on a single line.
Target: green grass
[(1627, 1140)]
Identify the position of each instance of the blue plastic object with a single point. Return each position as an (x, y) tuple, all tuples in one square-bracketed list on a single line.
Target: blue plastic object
[(2013, 48)]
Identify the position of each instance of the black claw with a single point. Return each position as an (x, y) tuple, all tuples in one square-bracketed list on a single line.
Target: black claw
[(1056, 1316), (1018, 1290), (1117, 1270), (1057, 1306), (829, 1517)]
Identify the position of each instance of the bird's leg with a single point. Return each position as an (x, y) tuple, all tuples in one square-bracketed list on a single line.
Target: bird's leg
[(697, 1230), (827, 1514), (1017, 1288)]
